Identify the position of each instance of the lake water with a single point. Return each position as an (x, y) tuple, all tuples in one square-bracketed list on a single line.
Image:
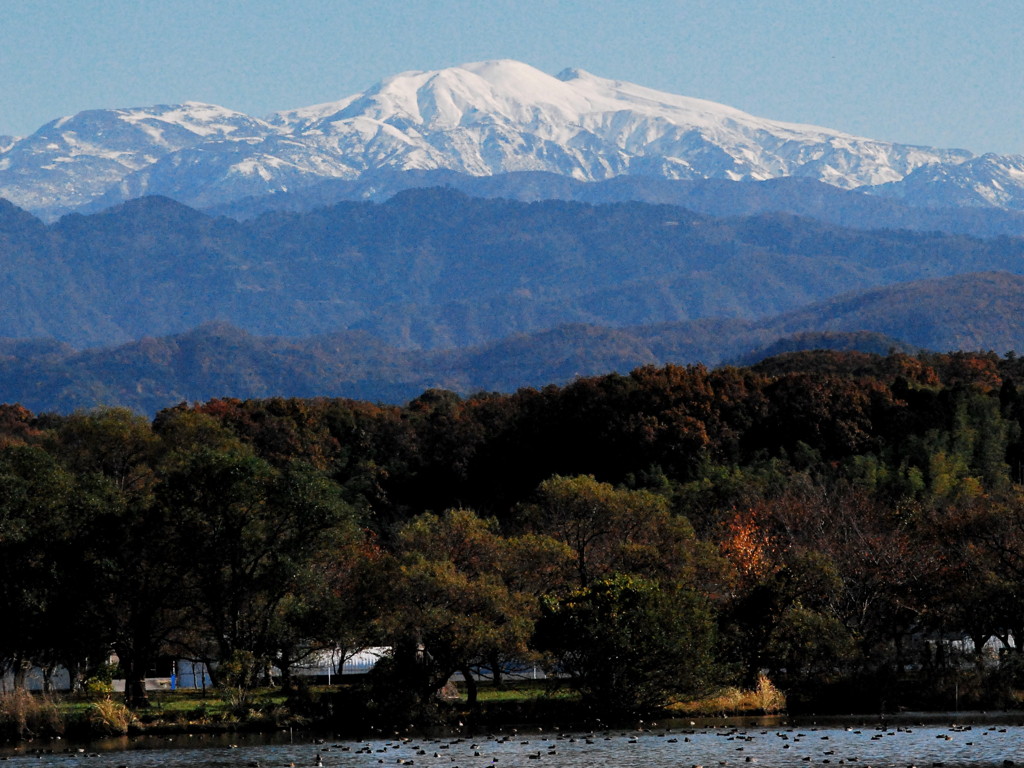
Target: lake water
[(766, 744)]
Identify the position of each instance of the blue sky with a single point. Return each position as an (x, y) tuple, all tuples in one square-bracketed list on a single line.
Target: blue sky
[(938, 72)]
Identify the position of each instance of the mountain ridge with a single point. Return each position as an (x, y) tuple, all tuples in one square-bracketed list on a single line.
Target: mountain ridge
[(433, 268), (808, 198), (220, 360), (480, 118)]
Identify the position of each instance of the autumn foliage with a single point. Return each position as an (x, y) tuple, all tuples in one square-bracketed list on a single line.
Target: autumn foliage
[(850, 526)]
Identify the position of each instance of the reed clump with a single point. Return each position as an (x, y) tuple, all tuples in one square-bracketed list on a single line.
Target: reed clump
[(764, 699), (109, 717), (24, 714), (769, 699)]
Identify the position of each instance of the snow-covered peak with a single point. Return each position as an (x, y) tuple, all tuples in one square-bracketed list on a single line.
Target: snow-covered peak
[(988, 180), (682, 110), (75, 159), (514, 91), (502, 115), (209, 121), (300, 119), (159, 129), (514, 80), (480, 118), (442, 99)]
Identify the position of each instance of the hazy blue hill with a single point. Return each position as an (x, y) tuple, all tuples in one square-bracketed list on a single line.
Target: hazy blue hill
[(17, 225), (839, 341), (434, 269), (434, 288), (713, 197), (558, 355), (215, 360), (220, 360), (978, 311), (971, 312)]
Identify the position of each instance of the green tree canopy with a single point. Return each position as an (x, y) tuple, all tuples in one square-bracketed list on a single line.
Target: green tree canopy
[(628, 643)]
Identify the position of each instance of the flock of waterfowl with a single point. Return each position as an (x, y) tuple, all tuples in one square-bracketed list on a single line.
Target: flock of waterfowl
[(710, 747), (647, 746)]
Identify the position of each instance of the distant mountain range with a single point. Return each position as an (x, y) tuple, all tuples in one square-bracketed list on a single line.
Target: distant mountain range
[(218, 360), (714, 197), (479, 119), (483, 227), (153, 302), (434, 269)]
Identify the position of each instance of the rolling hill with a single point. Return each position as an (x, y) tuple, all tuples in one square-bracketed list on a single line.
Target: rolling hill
[(218, 360)]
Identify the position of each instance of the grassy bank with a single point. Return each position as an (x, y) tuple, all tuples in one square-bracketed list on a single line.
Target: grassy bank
[(25, 715)]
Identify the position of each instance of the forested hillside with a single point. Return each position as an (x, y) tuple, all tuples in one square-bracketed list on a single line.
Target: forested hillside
[(849, 524), (434, 269), (977, 311), (854, 208)]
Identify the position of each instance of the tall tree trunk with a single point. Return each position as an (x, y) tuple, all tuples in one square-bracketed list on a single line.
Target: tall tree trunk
[(135, 666), (21, 668), (135, 694), (471, 687), (48, 671), (499, 679), (287, 680), (979, 638)]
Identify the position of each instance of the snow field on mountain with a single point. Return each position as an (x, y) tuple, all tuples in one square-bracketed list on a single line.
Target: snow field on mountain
[(481, 118)]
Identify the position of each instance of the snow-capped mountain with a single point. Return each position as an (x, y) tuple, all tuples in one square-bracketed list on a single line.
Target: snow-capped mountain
[(989, 180), (74, 160), (482, 119), (500, 116)]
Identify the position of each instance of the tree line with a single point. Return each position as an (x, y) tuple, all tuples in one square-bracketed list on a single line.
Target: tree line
[(851, 525)]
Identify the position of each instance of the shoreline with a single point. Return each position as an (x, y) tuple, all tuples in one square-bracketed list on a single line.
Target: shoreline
[(485, 719), (242, 735)]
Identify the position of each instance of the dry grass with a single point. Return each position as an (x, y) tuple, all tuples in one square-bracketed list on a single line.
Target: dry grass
[(24, 714), (764, 699), (769, 698), (110, 717)]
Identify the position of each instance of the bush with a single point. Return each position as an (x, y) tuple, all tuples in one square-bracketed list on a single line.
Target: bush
[(95, 688), (238, 676), (109, 718)]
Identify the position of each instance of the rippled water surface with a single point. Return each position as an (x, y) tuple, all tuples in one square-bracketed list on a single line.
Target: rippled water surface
[(778, 746)]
